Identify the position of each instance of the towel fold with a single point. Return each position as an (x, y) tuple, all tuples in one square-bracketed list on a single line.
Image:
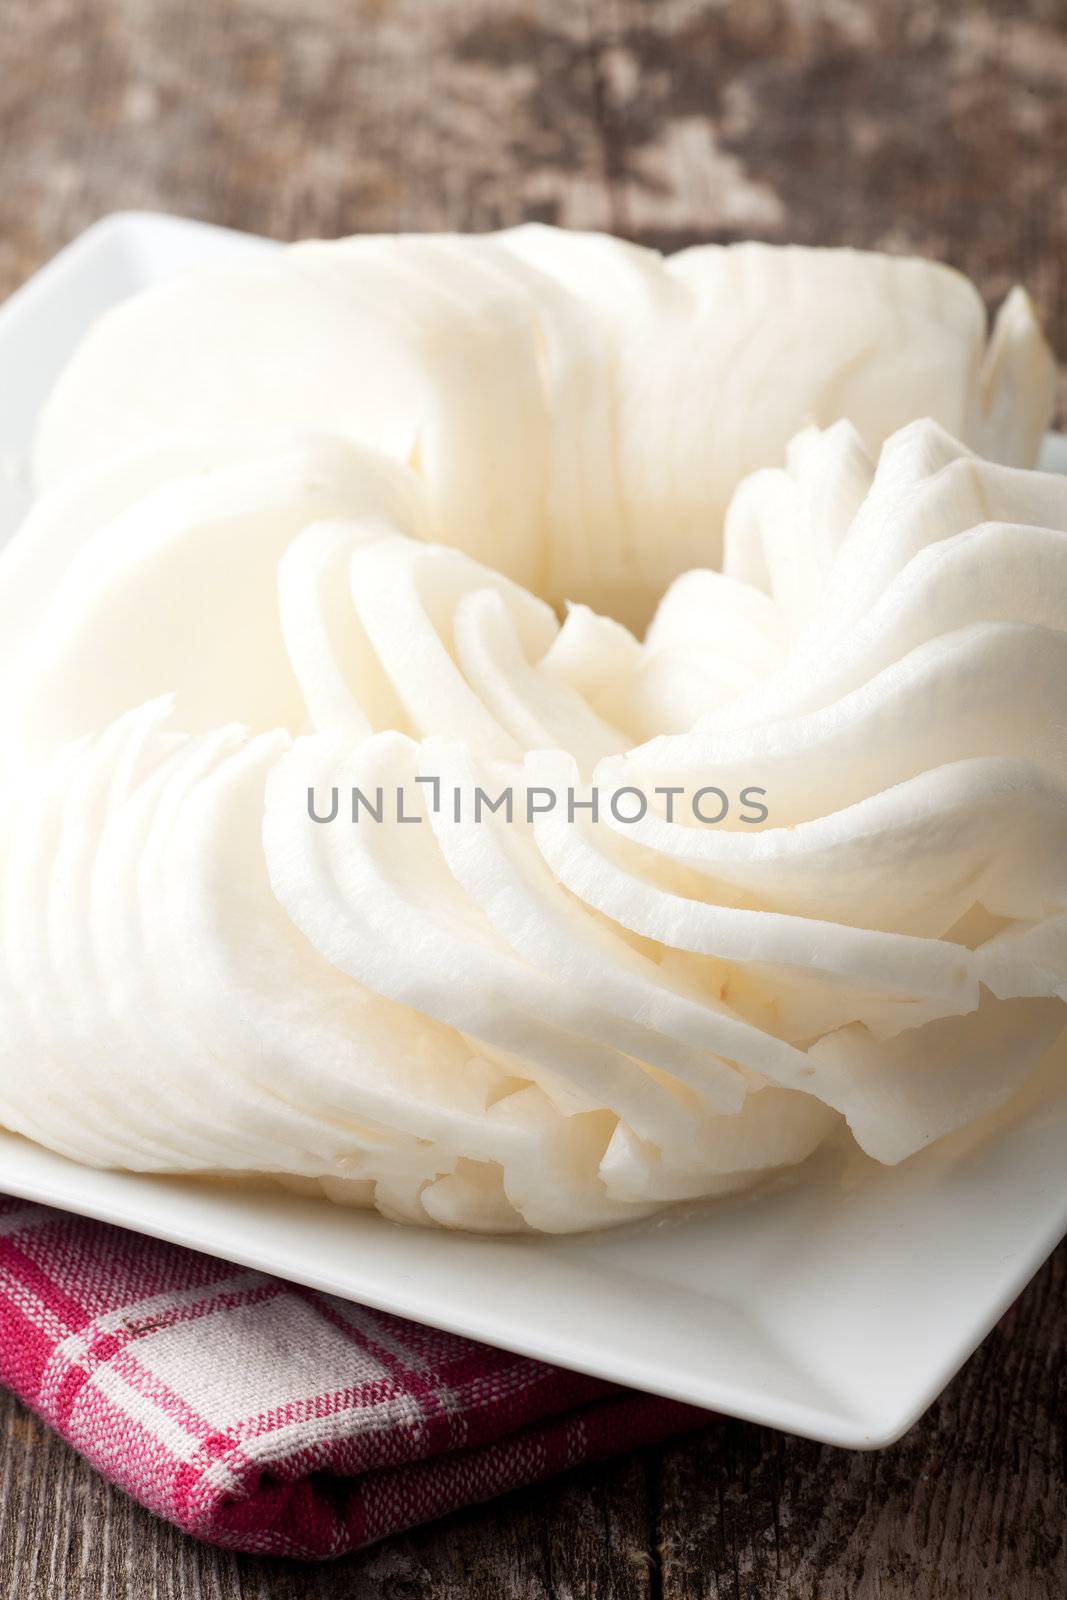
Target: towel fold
[(267, 1417)]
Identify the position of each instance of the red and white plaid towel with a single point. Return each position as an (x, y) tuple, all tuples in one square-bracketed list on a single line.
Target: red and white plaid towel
[(267, 1417)]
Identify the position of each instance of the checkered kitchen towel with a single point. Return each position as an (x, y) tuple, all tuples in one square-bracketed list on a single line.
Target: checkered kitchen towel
[(267, 1417)]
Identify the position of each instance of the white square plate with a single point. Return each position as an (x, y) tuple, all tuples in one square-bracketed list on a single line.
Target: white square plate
[(836, 1304)]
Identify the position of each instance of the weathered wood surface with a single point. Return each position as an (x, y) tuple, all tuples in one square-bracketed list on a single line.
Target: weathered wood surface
[(933, 127), (930, 125)]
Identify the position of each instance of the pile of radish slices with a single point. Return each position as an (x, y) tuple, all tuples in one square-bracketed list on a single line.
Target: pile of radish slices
[(330, 544)]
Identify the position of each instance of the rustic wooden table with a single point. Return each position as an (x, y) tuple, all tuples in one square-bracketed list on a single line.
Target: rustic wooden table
[(932, 127)]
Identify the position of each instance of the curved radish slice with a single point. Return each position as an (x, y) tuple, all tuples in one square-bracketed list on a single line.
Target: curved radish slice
[(32, 822), (178, 595), (533, 707), (406, 597), (177, 1066), (927, 489), (923, 557), (333, 661), (775, 547), (1026, 959), (60, 523), (349, 1064), (902, 1095), (744, 624), (498, 866), (380, 904), (1014, 384), (598, 657), (774, 1128), (567, 1191), (866, 964), (994, 573), (812, 501), (991, 689), (676, 689), (473, 1198), (913, 858), (98, 786), (710, 641), (61, 996)]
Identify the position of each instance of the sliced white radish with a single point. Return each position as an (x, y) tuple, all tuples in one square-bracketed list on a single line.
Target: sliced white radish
[(178, 594), (581, 410), (251, 922)]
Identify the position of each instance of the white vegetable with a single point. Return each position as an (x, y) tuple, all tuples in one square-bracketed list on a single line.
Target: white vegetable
[(302, 568), (580, 409)]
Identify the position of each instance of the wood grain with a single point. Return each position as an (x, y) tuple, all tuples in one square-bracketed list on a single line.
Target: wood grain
[(901, 124), (937, 126)]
